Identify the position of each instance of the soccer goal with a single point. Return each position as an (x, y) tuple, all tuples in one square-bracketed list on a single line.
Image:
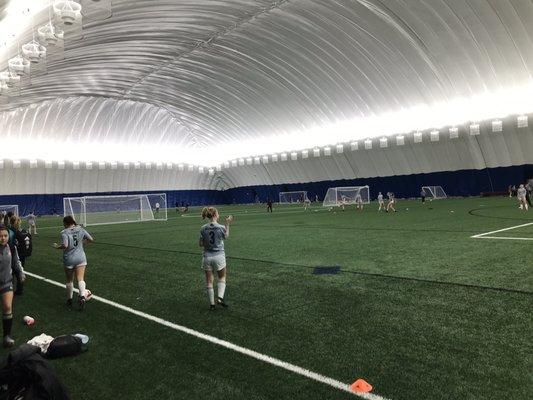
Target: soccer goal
[(11, 207), (292, 197), (103, 210), (434, 192), (337, 196)]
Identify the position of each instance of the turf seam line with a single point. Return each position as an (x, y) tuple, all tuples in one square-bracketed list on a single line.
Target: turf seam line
[(406, 278), (228, 345)]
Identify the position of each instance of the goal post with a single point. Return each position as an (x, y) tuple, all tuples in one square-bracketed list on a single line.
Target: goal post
[(14, 208), (104, 210), (292, 197), (434, 192), (337, 196)]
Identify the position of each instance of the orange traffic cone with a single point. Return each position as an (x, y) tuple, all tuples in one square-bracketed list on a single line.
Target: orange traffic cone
[(360, 385)]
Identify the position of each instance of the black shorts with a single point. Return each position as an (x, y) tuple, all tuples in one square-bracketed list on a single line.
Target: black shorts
[(6, 288)]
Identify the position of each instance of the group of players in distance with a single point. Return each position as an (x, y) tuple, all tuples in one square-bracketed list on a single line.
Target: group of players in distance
[(359, 204)]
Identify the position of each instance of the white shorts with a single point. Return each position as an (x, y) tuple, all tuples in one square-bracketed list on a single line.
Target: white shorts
[(521, 198), (215, 262), (75, 266)]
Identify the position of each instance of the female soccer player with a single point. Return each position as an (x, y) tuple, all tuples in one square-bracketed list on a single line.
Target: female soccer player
[(212, 237), (269, 205), (359, 202), (392, 201), (22, 241), (32, 222), (9, 262), (381, 202), (521, 196), (74, 259)]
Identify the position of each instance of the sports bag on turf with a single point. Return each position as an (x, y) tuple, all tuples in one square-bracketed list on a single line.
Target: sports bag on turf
[(64, 346)]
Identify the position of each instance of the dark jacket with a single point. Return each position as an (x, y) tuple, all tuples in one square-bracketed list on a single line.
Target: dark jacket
[(29, 376)]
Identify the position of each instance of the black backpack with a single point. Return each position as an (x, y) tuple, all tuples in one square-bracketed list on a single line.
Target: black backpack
[(24, 243), (64, 346)]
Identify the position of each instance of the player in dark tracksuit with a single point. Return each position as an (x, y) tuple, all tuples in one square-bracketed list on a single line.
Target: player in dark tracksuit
[(269, 205), (9, 263)]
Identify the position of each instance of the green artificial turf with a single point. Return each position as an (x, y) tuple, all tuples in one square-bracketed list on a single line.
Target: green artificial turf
[(419, 309)]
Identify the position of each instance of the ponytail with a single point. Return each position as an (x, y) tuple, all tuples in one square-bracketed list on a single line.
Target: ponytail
[(209, 212)]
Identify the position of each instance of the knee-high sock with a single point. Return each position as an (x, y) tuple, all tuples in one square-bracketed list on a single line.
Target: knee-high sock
[(221, 288), (7, 322), (70, 290), (210, 294), (81, 288)]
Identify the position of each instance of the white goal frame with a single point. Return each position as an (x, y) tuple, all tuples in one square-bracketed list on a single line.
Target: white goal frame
[(10, 207), (299, 192), (145, 214), (336, 194), (433, 193)]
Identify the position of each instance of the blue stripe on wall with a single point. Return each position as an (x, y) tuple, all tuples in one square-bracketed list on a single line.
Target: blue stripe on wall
[(455, 183)]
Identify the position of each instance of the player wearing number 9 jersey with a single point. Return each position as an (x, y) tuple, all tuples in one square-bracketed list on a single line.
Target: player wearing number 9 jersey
[(74, 258), (212, 237)]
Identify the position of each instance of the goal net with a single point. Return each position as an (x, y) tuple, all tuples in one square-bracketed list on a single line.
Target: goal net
[(337, 196), (11, 207), (292, 197), (434, 192), (102, 210)]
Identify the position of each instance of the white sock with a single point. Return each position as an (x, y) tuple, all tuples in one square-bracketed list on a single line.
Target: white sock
[(81, 288), (221, 288), (210, 294), (70, 290)]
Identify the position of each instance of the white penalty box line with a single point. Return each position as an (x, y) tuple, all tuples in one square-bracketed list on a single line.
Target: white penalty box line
[(228, 345), (484, 235)]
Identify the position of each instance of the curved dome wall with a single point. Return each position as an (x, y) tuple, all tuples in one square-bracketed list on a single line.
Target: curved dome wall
[(241, 70), (512, 147)]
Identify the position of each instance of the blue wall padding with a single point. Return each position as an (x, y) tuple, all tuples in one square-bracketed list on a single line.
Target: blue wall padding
[(455, 183)]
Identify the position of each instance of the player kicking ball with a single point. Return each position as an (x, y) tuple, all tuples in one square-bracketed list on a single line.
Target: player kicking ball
[(212, 237), (391, 203)]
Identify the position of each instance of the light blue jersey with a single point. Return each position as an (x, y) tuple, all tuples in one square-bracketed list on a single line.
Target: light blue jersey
[(72, 238), (213, 235)]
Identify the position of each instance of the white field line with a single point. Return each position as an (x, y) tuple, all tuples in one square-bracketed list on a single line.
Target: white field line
[(239, 349), (482, 235), (503, 238)]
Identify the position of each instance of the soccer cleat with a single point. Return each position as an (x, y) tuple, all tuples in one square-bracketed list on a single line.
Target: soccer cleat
[(81, 303), (8, 341), (221, 303), (69, 303), (212, 307)]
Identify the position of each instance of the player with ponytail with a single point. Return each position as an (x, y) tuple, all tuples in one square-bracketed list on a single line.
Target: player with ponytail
[(212, 237)]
